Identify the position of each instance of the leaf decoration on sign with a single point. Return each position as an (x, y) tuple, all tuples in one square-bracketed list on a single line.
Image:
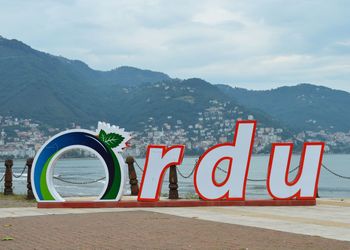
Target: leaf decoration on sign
[(112, 140), (102, 135)]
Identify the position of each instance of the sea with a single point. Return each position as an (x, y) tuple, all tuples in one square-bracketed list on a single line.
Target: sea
[(86, 170)]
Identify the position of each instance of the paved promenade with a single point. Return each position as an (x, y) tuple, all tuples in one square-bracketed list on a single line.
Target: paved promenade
[(146, 230), (329, 219)]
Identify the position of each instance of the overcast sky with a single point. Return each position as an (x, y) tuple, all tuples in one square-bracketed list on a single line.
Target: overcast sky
[(252, 44)]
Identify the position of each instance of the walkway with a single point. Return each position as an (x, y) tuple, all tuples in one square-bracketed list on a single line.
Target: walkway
[(329, 219)]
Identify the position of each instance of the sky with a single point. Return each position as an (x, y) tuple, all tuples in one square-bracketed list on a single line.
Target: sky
[(255, 44)]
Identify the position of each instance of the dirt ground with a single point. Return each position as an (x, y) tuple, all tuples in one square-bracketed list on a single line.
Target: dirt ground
[(145, 230)]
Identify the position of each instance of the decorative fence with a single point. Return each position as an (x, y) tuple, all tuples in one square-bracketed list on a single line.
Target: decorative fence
[(8, 176)]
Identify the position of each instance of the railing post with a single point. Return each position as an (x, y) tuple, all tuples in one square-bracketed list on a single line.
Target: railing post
[(173, 193), (8, 177), (132, 176), (30, 195)]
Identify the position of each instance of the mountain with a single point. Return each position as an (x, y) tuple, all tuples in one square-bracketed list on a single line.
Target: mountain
[(56, 90), (130, 76), (301, 107)]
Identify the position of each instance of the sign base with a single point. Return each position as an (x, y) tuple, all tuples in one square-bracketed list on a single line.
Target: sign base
[(173, 203)]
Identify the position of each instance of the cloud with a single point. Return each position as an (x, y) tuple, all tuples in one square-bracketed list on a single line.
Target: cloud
[(253, 44)]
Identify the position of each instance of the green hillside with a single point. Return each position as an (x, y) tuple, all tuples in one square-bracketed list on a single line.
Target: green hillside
[(301, 107)]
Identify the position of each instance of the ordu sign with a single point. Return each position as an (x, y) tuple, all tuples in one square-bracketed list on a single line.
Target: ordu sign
[(108, 142)]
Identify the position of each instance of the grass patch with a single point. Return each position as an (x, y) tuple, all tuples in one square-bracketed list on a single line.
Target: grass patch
[(15, 197)]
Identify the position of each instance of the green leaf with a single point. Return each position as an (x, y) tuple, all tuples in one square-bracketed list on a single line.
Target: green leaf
[(112, 139), (6, 238), (102, 135)]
